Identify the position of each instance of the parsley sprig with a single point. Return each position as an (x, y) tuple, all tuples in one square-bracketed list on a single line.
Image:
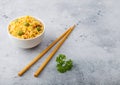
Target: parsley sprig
[(63, 65)]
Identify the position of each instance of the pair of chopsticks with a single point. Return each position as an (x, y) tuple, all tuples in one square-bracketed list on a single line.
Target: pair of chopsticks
[(63, 37)]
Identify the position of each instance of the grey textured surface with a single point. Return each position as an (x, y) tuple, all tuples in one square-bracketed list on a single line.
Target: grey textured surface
[(94, 45)]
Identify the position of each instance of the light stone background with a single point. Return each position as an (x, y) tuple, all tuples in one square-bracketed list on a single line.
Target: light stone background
[(94, 45)]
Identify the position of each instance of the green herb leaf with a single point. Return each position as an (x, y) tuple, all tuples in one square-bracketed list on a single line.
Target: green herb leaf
[(61, 69), (62, 64)]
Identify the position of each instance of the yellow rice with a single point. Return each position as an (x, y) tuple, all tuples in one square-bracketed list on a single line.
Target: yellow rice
[(25, 27)]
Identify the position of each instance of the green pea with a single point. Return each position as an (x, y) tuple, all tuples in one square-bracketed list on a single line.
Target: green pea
[(38, 28), (26, 24), (20, 33)]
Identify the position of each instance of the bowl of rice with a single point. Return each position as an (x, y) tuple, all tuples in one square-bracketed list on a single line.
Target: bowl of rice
[(26, 31)]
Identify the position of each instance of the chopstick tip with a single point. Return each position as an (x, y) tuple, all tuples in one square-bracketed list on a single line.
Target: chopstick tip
[(35, 75), (74, 25), (19, 74)]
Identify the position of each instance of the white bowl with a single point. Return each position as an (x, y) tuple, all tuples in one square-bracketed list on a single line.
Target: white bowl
[(27, 43)]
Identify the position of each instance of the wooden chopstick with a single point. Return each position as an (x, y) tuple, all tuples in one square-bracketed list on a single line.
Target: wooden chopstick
[(27, 67), (52, 53)]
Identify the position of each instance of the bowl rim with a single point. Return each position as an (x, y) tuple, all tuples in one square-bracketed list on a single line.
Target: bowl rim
[(28, 38)]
